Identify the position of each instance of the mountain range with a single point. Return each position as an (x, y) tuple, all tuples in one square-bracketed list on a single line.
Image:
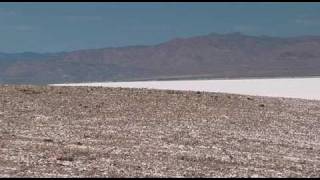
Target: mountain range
[(233, 55)]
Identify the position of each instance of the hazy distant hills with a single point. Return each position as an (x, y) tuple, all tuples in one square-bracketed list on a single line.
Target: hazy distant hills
[(214, 56)]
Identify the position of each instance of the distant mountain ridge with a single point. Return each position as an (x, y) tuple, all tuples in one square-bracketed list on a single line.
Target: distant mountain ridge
[(214, 55)]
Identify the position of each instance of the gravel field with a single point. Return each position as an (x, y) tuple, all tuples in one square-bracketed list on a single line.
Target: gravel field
[(51, 131)]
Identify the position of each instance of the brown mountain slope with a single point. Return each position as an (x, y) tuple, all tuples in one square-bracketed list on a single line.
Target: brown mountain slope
[(217, 56)]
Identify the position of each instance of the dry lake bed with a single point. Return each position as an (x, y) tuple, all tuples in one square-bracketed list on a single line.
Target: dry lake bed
[(306, 88)]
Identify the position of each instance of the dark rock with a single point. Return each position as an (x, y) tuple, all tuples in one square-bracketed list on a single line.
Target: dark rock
[(48, 140), (79, 143)]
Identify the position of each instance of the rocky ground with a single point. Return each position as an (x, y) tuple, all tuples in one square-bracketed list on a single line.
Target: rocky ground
[(114, 132)]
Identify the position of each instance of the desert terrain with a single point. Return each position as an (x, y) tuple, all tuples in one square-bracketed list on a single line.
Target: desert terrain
[(49, 131)]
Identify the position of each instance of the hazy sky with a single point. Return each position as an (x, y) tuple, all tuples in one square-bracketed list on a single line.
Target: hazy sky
[(52, 27)]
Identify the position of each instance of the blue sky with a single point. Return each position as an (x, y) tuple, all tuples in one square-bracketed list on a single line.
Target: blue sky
[(53, 27)]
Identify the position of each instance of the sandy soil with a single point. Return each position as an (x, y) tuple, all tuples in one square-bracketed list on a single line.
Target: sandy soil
[(116, 132)]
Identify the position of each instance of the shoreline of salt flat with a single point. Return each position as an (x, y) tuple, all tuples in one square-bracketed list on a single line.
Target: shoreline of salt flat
[(303, 88)]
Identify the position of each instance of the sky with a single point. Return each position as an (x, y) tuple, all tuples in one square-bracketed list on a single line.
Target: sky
[(54, 27)]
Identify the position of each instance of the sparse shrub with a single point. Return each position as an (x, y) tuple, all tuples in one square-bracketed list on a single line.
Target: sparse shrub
[(30, 91), (48, 140), (65, 158)]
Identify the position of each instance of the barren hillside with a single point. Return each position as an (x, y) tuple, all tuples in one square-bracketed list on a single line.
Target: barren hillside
[(115, 132)]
